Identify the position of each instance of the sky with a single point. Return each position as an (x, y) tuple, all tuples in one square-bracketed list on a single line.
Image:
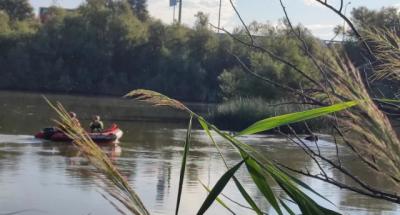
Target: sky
[(318, 19)]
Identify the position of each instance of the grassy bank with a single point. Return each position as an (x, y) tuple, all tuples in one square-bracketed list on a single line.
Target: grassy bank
[(237, 114)]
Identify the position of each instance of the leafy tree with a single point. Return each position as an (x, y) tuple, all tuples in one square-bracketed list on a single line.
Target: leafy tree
[(17, 9), (4, 22), (139, 7), (388, 17), (235, 82)]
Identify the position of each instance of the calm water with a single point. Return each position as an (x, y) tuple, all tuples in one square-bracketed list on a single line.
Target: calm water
[(48, 178)]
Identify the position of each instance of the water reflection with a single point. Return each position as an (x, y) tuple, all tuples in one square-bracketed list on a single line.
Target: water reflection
[(53, 176)]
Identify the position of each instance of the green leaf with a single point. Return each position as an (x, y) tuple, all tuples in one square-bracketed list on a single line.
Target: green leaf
[(304, 185), (241, 189), (183, 166), (273, 122), (303, 201), (247, 197), (261, 182), (222, 203), (286, 207), (219, 186)]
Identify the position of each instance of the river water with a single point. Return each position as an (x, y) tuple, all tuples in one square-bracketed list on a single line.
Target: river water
[(41, 177)]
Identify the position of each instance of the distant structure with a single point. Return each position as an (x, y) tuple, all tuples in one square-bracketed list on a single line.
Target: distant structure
[(219, 15), (43, 14), (173, 3)]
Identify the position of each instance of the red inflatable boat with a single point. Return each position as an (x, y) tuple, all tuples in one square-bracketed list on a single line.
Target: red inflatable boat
[(111, 135)]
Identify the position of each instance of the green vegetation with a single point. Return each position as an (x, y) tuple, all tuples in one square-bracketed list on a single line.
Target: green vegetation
[(109, 47)]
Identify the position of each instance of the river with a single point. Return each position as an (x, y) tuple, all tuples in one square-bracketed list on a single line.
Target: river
[(41, 177)]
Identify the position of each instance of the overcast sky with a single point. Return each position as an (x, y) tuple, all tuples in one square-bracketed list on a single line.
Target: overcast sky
[(318, 19)]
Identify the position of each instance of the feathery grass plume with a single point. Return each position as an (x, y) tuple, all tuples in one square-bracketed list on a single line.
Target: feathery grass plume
[(113, 182), (386, 48), (156, 99), (370, 132)]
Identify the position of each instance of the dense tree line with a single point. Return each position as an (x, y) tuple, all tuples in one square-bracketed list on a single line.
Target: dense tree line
[(111, 47), (104, 47)]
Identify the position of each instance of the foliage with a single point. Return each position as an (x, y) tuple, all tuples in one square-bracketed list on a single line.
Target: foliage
[(17, 9), (235, 82), (139, 7), (107, 47), (387, 17)]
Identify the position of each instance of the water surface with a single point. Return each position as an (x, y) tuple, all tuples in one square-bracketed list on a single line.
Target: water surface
[(51, 178)]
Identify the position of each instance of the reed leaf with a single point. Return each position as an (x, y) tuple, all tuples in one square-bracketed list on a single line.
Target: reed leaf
[(262, 183), (183, 165), (241, 189), (247, 197), (219, 186), (262, 165), (222, 203), (287, 208), (273, 122), (305, 186)]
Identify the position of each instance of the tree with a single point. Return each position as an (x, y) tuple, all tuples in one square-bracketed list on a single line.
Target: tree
[(235, 82), (4, 22), (17, 9), (139, 7), (202, 20), (387, 17)]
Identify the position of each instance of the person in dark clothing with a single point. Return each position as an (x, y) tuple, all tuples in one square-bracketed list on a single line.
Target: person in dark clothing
[(96, 125)]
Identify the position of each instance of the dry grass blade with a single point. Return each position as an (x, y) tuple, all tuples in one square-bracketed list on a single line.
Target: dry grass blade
[(155, 98), (112, 181)]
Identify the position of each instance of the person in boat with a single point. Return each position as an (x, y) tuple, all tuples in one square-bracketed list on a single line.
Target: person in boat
[(74, 118), (96, 125)]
